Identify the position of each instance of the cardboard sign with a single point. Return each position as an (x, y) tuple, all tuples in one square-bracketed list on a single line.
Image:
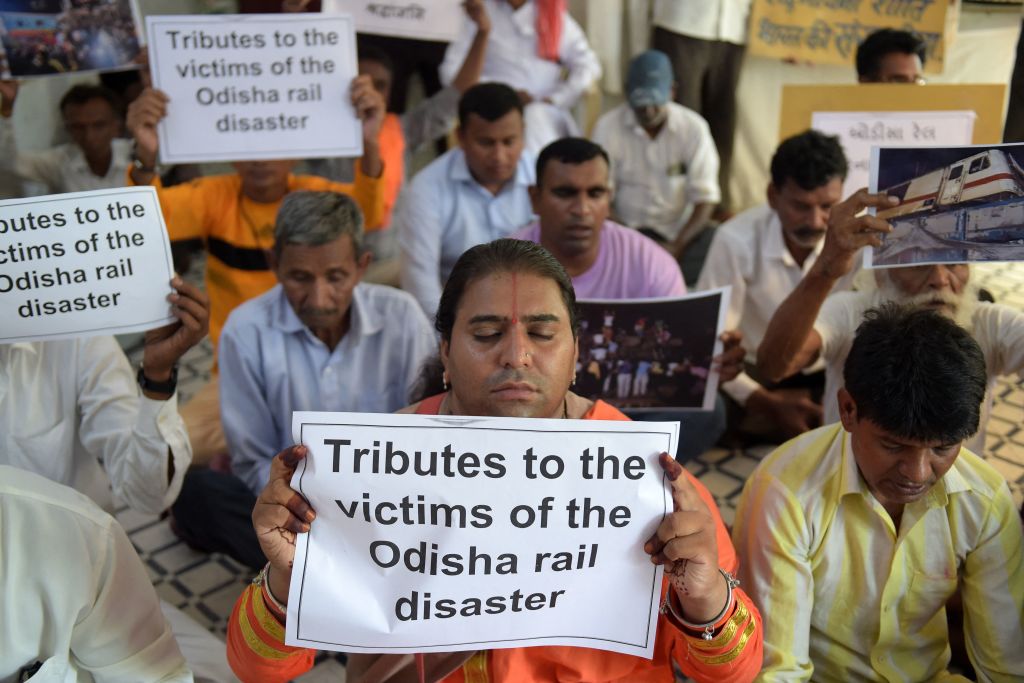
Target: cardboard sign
[(46, 37), (829, 32), (652, 354), (859, 131), (255, 86), (437, 534), (957, 204), (439, 20), (82, 264)]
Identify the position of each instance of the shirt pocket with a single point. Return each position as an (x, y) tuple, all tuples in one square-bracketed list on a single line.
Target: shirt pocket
[(924, 606), (48, 452)]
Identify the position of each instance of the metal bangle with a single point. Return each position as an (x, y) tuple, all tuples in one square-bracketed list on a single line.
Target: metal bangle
[(708, 627), (263, 581)]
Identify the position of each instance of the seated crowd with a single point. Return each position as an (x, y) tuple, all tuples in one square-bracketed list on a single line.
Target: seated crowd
[(876, 543)]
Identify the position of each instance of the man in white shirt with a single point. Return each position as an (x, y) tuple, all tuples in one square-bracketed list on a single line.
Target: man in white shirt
[(319, 340), (70, 410), (664, 163), (468, 196), (78, 604), (763, 253), (812, 324), (96, 159), (532, 44), (706, 41)]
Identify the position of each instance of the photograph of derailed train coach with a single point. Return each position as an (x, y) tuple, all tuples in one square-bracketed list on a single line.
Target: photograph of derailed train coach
[(957, 204)]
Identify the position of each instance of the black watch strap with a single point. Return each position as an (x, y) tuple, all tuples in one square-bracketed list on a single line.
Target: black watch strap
[(167, 387)]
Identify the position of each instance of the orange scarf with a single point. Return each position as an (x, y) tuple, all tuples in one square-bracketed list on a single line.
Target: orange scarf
[(550, 20)]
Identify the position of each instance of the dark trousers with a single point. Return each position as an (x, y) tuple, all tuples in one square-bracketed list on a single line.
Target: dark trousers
[(213, 513), (1014, 131), (707, 72)]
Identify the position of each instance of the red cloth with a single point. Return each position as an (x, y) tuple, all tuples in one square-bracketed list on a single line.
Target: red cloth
[(550, 20)]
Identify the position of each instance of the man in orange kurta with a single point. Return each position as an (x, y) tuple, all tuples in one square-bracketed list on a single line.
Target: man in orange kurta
[(508, 346), (234, 215)]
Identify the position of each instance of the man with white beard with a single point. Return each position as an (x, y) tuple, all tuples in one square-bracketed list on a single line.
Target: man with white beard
[(810, 324)]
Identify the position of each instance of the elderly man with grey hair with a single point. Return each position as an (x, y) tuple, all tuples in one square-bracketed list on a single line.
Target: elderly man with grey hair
[(319, 340)]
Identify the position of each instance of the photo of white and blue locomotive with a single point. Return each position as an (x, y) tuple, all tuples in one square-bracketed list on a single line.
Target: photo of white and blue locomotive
[(969, 210)]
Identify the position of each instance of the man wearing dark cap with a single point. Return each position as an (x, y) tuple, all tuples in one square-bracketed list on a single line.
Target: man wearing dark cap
[(664, 163)]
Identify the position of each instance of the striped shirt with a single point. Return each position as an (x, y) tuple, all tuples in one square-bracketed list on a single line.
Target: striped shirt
[(847, 596)]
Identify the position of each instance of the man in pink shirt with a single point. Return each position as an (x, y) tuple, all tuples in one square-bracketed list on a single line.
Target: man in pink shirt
[(572, 199)]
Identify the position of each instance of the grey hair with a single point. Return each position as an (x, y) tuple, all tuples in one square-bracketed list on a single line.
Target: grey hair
[(315, 218)]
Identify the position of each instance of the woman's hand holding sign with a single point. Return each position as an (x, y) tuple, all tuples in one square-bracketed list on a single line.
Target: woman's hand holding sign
[(686, 544), (279, 516)]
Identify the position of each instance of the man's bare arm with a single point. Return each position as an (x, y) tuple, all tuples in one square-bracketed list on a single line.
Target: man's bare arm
[(790, 342)]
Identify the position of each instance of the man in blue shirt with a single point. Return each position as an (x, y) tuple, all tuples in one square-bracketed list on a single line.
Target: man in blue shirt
[(474, 194), (319, 340)]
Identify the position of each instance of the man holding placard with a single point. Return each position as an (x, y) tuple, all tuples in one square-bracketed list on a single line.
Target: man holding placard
[(762, 254), (235, 214), (507, 324), (810, 324)]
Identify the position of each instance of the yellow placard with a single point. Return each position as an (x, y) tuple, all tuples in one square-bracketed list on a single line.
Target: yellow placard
[(799, 102), (829, 31)]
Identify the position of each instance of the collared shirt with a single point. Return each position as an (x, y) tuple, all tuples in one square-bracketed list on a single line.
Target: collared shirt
[(272, 365), (658, 181), (71, 411), (444, 211), (629, 265), (724, 20), (749, 254), (76, 598), (512, 55), (62, 168), (847, 596), (998, 329)]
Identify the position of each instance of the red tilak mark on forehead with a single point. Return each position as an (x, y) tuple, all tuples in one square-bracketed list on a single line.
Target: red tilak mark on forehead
[(515, 302)]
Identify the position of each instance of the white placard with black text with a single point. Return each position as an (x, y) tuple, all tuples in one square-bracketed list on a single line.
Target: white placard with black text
[(439, 20), (442, 533), (255, 86), (82, 264)]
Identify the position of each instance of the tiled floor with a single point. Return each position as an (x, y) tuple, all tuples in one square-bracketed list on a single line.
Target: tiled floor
[(206, 586)]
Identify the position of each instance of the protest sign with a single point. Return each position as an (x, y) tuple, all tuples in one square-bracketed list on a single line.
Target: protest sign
[(444, 533), (652, 354), (255, 86), (829, 32), (43, 37), (439, 20), (957, 204), (859, 131), (83, 263)]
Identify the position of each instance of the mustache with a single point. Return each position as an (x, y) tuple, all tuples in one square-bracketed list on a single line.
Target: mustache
[(317, 312), (807, 231), (510, 375)]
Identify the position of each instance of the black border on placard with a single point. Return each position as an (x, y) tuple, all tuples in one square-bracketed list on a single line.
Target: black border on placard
[(652, 614)]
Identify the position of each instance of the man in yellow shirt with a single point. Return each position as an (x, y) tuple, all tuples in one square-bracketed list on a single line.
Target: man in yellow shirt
[(854, 536), (234, 215)]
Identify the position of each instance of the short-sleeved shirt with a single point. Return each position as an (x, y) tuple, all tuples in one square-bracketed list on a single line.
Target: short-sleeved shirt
[(629, 265), (659, 180)]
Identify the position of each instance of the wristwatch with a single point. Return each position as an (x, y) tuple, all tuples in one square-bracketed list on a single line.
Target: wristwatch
[(167, 387)]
